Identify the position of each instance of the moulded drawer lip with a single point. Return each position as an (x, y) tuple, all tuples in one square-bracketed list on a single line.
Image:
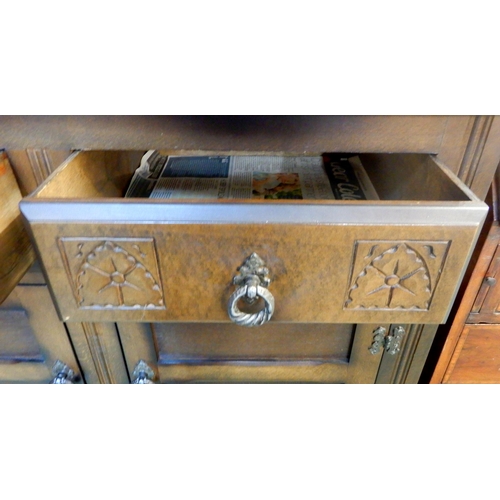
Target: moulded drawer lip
[(52, 209), (463, 213)]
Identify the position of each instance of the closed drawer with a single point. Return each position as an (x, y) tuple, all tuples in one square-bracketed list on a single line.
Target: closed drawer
[(399, 259)]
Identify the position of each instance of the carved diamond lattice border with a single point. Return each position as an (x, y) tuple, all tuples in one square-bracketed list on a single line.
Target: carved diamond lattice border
[(395, 275), (113, 273)]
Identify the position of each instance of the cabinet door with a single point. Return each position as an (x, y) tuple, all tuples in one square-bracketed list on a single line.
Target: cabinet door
[(32, 338), (275, 352)]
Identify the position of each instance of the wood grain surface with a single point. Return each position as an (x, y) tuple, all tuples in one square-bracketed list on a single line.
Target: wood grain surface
[(38, 337), (16, 252), (451, 349), (342, 269), (358, 367), (476, 359), (317, 276), (298, 134)]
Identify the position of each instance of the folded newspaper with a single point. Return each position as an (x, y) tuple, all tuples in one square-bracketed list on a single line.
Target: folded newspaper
[(327, 177)]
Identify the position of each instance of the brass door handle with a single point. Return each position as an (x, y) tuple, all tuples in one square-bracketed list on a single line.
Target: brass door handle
[(63, 374), (252, 284), (143, 373)]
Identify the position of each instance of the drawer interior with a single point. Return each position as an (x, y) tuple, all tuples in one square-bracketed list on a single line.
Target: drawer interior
[(331, 261), (396, 177)]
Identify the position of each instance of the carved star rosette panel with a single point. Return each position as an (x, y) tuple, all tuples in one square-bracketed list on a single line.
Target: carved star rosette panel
[(389, 275), (115, 273)]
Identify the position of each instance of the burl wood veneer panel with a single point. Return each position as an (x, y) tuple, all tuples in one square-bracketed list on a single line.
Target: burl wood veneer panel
[(319, 273)]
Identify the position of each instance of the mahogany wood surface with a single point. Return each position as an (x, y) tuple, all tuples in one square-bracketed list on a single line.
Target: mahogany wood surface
[(486, 306), (468, 354), (465, 305), (476, 359)]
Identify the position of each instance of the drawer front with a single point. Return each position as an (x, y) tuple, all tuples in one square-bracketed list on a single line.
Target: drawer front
[(320, 273), (397, 259)]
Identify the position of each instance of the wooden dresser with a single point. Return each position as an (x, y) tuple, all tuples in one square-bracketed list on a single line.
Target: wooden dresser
[(144, 288)]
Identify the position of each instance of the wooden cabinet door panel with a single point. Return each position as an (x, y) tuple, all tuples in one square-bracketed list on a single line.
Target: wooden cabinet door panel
[(324, 353), (223, 343), (32, 338)]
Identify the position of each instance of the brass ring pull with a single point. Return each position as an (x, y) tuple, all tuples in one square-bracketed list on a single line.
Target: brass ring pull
[(252, 284)]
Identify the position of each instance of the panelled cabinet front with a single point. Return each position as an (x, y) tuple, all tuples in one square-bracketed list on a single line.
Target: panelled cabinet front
[(329, 266), (275, 352), (350, 285), (34, 344)]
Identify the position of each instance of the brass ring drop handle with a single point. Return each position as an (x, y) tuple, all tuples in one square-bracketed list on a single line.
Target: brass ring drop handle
[(143, 374), (252, 284), (63, 374)]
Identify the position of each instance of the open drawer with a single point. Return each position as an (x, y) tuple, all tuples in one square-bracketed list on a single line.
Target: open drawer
[(400, 259)]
